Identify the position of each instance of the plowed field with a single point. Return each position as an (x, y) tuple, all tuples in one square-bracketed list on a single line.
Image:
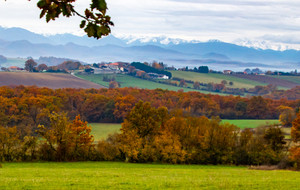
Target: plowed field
[(49, 80), (268, 80)]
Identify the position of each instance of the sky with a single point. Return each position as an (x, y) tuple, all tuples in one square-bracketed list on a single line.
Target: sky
[(273, 21)]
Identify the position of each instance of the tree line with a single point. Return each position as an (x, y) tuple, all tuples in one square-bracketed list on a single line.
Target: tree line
[(27, 107), (150, 134)]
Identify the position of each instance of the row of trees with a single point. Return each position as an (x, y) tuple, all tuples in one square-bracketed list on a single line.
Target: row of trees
[(32, 66), (27, 107), (151, 134)]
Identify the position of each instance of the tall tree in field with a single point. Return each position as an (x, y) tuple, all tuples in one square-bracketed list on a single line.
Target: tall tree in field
[(29, 65)]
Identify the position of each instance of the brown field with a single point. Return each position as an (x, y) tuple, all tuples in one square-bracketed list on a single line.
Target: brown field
[(49, 80), (269, 80)]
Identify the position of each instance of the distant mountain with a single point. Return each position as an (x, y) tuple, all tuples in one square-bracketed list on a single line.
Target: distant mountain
[(215, 56), (86, 41), (15, 34), (17, 42)]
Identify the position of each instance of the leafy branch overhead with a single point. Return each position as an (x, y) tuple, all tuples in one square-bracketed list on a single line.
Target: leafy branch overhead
[(96, 23)]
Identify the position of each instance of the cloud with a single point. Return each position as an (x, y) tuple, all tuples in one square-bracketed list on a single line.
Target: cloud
[(226, 20)]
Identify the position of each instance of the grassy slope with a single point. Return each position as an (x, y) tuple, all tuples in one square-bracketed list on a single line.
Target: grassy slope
[(129, 81), (295, 79), (216, 78), (108, 175)]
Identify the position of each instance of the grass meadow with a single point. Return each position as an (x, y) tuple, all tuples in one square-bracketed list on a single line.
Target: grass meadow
[(217, 78), (130, 81), (250, 123), (116, 175), (101, 130)]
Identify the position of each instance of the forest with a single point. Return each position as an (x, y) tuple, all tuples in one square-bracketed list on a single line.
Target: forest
[(157, 126)]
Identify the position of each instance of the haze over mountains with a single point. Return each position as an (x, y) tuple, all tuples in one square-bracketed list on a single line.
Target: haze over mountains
[(18, 42)]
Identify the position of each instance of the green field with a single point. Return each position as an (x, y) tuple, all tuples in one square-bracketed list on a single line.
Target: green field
[(130, 81), (217, 78), (14, 62), (115, 175), (250, 123), (101, 130)]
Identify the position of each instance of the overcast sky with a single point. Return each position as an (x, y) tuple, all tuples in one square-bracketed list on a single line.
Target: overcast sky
[(226, 20)]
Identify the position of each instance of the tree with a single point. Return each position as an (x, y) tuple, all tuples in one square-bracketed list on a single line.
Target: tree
[(224, 82), (196, 85), (29, 65), (295, 134), (65, 140), (240, 108), (182, 83), (42, 67), (257, 107), (96, 23), (231, 83), (287, 115), (114, 84)]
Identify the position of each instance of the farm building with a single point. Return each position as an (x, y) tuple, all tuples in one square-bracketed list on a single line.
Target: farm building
[(228, 72)]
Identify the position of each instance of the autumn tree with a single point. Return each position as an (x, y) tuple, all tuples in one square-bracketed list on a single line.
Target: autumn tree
[(257, 107), (42, 67), (64, 140), (114, 84), (196, 85), (29, 65), (295, 134), (182, 83), (224, 82), (287, 115), (96, 22)]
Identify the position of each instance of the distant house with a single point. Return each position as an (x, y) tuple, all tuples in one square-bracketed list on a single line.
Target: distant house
[(227, 72), (14, 68), (105, 70), (162, 77)]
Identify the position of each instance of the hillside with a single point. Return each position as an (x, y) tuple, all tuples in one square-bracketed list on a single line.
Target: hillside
[(279, 81), (130, 81), (49, 80), (217, 78)]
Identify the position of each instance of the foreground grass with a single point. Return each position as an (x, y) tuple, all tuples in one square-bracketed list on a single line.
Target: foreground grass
[(108, 175)]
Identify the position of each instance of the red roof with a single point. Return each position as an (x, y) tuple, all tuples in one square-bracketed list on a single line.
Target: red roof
[(114, 64), (13, 67)]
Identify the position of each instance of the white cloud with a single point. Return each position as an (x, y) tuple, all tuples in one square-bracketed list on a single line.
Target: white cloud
[(188, 19)]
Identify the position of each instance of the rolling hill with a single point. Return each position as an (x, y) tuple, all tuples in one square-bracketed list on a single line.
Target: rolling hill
[(49, 80)]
